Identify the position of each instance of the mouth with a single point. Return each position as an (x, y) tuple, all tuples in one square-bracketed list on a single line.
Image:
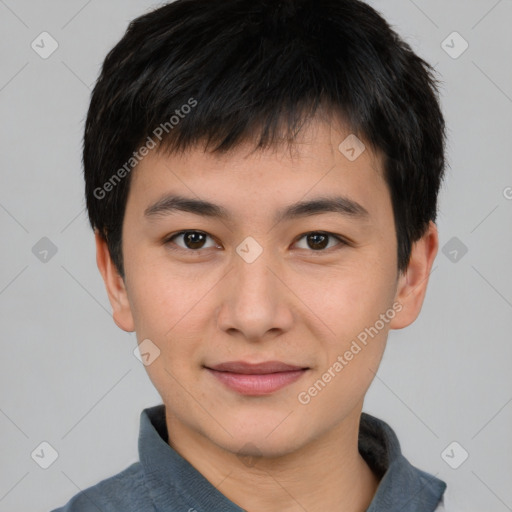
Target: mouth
[(256, 379)]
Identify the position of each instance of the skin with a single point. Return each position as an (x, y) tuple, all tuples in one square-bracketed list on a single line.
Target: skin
[(293, 304)]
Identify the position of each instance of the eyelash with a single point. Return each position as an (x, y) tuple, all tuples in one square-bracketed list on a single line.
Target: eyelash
[(169, 243)]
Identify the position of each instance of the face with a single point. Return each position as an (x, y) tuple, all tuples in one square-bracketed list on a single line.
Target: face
[(315, 288)]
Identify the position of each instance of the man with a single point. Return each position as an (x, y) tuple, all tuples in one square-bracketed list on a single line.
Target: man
[(262, 179)]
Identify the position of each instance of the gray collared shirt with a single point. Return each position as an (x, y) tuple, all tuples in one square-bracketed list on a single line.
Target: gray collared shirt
[(163, 481)]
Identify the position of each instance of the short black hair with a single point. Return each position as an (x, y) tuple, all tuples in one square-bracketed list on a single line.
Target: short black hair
[(224, 72)]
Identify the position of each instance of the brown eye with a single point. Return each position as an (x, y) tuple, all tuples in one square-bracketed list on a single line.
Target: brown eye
[(192, 240), (319, 240)]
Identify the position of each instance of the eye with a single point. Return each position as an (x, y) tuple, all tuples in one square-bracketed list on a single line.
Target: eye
[(193, 240), (318, 240)]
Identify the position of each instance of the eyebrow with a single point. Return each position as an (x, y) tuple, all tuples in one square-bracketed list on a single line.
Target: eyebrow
[(336, 204)]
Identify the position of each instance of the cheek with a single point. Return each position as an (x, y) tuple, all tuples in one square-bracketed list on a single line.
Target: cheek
[(170, 311), (161, 297), (353, 353), (171, 320), (352, 307), (352, 299)]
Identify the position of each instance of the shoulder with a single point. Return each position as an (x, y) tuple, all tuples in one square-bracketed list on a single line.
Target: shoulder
[(440, 506), (123, 492), (450, 502)]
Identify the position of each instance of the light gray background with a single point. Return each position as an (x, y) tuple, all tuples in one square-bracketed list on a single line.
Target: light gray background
[(68, 375)]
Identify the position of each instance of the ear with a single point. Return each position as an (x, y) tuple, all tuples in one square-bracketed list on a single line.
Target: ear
[(115, 285), (412, 285)]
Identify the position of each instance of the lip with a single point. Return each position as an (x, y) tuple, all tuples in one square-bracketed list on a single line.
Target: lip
[(255, 368), (256, 379)]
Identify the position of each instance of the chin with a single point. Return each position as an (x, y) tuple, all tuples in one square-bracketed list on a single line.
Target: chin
[(262, 438)]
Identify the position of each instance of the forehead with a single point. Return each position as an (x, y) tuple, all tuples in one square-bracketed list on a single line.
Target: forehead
[(319, 164)]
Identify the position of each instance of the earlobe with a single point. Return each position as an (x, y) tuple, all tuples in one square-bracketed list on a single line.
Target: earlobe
[(412, 284), (115, 286)]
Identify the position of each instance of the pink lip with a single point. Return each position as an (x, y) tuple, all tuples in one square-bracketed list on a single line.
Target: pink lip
[(256, 379)]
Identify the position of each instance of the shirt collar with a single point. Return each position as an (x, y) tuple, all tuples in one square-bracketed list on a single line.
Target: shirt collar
[(401, 487)]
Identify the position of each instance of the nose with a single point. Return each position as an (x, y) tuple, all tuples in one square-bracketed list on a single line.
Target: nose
[(256, 302)]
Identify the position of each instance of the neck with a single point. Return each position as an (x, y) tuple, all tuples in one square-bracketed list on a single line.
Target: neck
[(326, 474)]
